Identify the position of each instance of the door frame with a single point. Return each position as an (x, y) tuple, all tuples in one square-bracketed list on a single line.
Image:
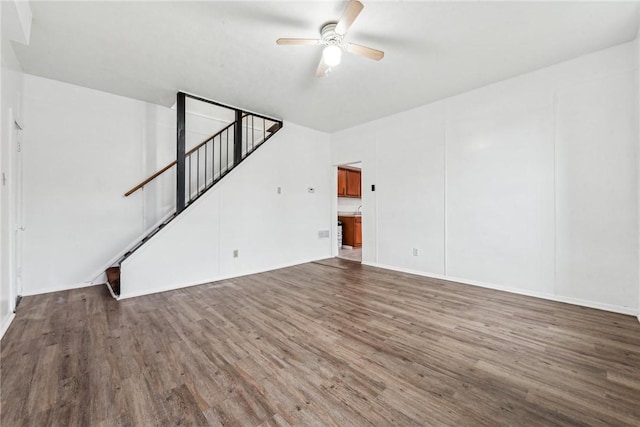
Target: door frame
[(334, 206), (13, 213), (18, 214)]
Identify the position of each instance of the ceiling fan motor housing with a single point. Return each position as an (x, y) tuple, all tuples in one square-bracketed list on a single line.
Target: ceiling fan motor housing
[(330, 37)]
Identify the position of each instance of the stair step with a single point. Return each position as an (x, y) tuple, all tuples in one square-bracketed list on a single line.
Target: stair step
[(113, 279), (274, 128)]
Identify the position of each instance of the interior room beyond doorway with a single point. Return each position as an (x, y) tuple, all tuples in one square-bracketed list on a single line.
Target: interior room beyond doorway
[(349, 193)]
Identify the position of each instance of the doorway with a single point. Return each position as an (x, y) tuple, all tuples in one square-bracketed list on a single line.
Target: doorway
[(349, 211), (11, 216), (18, 213)]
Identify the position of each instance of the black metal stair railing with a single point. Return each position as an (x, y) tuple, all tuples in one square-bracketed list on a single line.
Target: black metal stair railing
[(213, 158), (233, 144), (204, 165)]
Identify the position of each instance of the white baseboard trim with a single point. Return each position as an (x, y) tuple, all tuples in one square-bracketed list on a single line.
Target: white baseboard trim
[(213, 279), (557, 298), (59, 288), (6, 322)]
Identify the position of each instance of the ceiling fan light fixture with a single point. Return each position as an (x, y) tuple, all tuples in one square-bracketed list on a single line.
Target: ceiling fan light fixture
[(332, 55), (332, 39)]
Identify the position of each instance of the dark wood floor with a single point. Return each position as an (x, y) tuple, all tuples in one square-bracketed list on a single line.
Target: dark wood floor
[(329, 343)]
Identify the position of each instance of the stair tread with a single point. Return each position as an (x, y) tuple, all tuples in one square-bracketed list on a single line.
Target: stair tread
[(113, 279)]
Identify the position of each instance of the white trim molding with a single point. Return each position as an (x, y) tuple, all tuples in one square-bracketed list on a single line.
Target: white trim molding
[(557, 298), (60, 288)]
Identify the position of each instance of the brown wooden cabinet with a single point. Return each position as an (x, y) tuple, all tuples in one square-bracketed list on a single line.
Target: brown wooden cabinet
[(351, 230), (357, 232), (349, 182), (342, 182), (353, 183)]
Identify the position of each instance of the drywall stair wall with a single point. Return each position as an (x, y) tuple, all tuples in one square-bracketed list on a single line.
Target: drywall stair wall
[(269, 211)]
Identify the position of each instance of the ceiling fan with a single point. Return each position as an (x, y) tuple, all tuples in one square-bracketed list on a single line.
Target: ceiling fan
[(332, 37)]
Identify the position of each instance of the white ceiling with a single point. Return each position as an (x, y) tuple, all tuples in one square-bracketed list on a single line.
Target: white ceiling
[(226, 51)]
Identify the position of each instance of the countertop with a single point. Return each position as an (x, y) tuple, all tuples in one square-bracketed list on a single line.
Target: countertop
[(349, 214)]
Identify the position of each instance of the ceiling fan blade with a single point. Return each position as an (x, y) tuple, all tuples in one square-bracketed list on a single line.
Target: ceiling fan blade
[(298, 41), (367, 52), (323, 68), (348, 16)]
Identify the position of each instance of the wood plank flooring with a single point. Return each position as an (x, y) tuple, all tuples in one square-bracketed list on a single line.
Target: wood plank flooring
[(326, 343), (354, 254)]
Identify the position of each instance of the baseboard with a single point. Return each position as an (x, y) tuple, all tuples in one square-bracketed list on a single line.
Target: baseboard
[(213, 279), (60, 288), (6, 322), (557, 298)]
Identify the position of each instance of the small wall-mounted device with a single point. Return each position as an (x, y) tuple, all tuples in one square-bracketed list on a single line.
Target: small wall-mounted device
[(311, 190), (373, 187)]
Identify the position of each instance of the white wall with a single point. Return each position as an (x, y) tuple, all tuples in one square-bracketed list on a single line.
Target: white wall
[(15, 25), (244, 212), (597, 190), (158, 148), (637, 43), (83, 150), (401, 217), (528, 185), (349, 204)]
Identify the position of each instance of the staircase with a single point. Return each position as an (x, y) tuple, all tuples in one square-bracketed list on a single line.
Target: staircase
[(200, 168)]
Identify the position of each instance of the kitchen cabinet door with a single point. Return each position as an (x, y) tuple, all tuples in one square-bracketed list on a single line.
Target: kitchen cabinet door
[(347, 230), (351, 231), (353, 183), (342, 182), (357, 232)]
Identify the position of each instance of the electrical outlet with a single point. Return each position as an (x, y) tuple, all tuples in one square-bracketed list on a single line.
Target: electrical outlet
[(235, 253), (323, 234), (279, 190), (415, 251)]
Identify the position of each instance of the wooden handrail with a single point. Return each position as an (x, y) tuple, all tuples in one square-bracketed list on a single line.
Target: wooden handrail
[(148, 180), (167, 167)]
